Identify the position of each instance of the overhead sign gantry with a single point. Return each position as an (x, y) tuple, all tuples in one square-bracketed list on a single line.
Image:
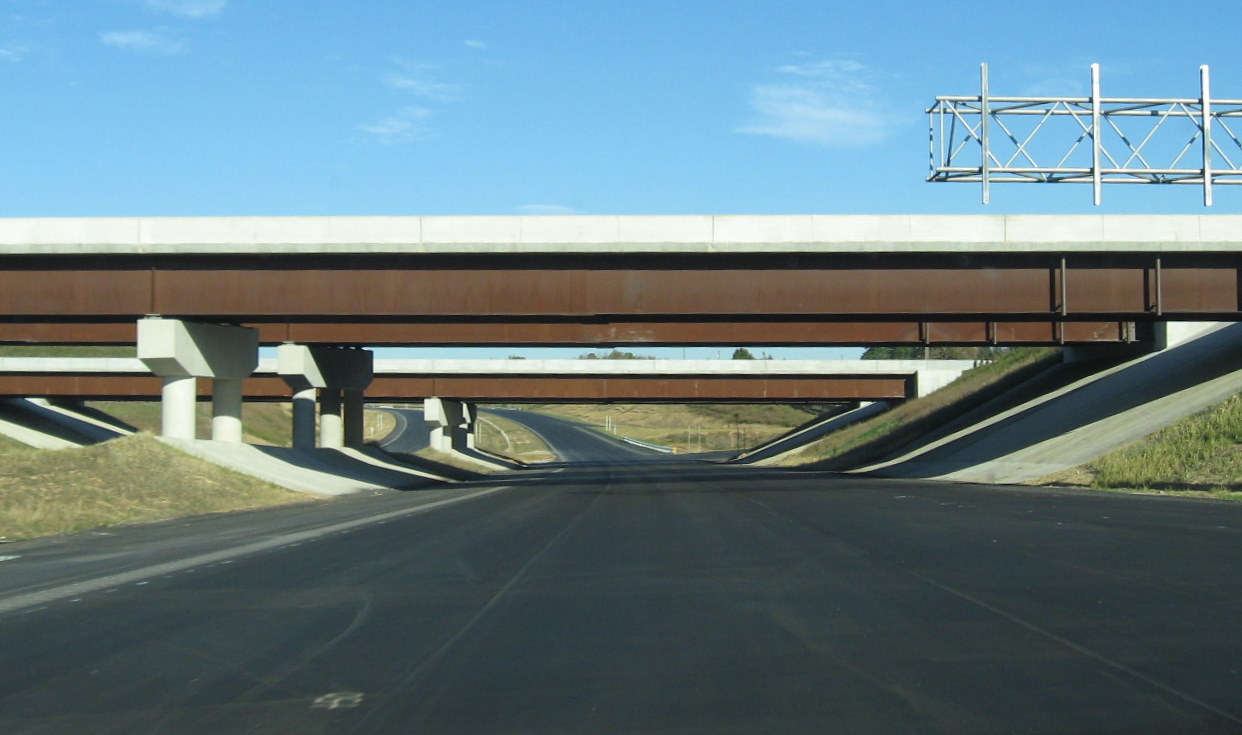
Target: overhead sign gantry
[(1093, 140)]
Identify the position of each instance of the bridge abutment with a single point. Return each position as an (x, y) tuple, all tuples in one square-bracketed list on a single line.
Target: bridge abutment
[(1153, 337)]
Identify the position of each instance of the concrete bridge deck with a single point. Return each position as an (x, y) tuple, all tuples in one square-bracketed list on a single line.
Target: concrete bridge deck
[(812, 233), (723, 279)]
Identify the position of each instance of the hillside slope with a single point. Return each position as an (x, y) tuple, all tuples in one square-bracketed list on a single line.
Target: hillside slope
[(1086, 419)]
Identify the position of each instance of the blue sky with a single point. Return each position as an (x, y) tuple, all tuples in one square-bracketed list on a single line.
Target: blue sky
[(320, 107)]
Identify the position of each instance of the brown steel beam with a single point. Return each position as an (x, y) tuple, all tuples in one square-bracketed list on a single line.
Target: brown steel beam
[(991, 287), (501, 389), (612, 333)]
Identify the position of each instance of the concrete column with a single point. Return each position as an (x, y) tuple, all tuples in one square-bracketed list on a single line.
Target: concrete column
[(226, 410), (304, 418), (331, 431), (179, 399), (444, 419), (469, 420), (330, 370), (355, 417), (181, 351)]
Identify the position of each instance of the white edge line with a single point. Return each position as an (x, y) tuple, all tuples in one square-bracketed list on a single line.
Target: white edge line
[(51, 594)]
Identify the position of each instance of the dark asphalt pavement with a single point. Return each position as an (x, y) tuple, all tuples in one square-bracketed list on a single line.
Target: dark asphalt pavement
[(645, 598)]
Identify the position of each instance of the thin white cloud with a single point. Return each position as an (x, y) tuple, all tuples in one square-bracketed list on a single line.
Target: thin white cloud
[(475, 44), (545, 209), (158, 41), (406, 126), (422, 80), (828, 102), (418, 80), (196, 9), (12, 53)]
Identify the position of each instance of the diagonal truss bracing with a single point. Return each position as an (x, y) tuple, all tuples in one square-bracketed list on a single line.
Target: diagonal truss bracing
[(1090, 140)]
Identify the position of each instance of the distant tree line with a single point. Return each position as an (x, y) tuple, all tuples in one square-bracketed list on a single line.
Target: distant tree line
[(933, 353), (741, 353), (615, 354)]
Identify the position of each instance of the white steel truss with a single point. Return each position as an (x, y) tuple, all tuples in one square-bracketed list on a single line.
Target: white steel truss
[(1087, 140)]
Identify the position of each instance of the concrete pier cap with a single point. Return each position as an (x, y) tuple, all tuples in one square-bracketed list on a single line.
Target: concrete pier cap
[(342, 374), (172, 347), (180, 352), (325, 366)]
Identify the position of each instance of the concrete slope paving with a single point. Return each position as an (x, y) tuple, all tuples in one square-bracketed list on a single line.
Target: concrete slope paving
[(43, 425), (1086, 419)]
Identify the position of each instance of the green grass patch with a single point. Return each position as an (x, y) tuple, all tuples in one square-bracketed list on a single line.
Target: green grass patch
[(129, 480), (1201, 453), (876, 437), (38, 350)]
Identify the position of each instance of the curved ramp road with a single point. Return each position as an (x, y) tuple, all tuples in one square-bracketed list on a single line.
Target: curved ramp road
[(576, 443), (569, 440), (657, 597)]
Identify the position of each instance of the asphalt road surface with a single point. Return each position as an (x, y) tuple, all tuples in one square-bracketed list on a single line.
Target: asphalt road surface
[(654, 597), (571, 441)]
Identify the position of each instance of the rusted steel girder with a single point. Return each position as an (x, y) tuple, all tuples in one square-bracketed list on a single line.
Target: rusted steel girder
[(614, 333), (702, 287), (502, 389)]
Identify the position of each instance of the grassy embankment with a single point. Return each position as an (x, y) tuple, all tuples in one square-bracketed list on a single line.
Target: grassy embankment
[(129, 480), (690, 427), (875, 437), (1200, 455), (262, 423), (499, 435), (37, 350)]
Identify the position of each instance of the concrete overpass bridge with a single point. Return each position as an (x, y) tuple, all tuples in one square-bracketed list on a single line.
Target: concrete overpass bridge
[(623, 280), (450, 388), (755, 280)]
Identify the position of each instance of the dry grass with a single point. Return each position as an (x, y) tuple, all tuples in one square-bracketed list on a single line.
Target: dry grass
[(1200, 454), (507, 438), (455, 461), (377, 424), (877, 436), (262, 422), (7, 444), (128, 480)]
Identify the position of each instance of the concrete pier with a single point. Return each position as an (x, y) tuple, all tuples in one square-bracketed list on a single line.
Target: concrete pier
[(180, 352), (339, 376)]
